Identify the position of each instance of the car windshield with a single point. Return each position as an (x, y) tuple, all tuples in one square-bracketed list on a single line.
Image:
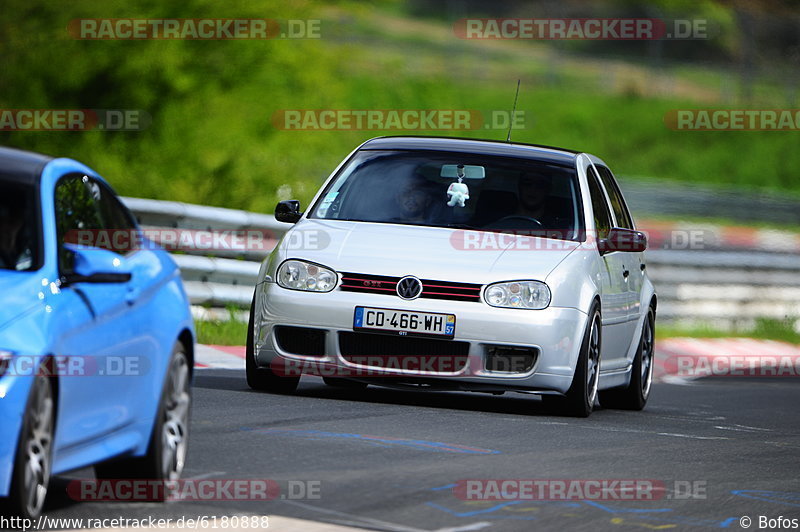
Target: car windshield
[(456, 190), (19, 231)]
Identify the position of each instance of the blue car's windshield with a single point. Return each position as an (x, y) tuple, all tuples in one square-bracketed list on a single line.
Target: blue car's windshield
[(19, 230), (423, 188)]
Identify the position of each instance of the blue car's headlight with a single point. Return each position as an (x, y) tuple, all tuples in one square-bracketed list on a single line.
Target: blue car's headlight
[(301, 275), (518, 294)]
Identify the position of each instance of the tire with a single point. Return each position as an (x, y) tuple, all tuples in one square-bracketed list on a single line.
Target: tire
[(264, 379), (579, 399), (635, 395), (344, 383), (166, 451), (34, 457)]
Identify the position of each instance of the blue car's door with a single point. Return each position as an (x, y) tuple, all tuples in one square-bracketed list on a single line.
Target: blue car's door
[(107, 347)]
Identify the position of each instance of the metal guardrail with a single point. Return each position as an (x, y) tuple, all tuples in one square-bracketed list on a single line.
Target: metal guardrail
[(719, 287), (673, 199)]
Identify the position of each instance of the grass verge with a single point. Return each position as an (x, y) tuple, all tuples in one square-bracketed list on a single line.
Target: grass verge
[(231, 331)]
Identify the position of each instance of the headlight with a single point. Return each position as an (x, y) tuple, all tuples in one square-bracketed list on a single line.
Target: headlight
[(518, 294), (301, 275)]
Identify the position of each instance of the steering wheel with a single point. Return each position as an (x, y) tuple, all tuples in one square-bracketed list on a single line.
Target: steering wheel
[(519, 217)]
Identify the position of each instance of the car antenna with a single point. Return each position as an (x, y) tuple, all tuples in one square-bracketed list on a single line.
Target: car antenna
[(513, 110)]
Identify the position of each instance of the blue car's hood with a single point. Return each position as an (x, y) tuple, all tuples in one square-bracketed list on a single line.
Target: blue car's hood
[(19, 292)]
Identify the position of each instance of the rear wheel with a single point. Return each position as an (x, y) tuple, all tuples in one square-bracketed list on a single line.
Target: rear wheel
[(264, 379), (579, 399), (634, 396), (33, 460), (166, 453)]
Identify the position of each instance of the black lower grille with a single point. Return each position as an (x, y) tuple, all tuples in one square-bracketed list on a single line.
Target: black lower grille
[(510, 359), (403, 352), (303, 341)]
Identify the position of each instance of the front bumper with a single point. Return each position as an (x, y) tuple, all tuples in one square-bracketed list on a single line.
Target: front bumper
[(555, 332)]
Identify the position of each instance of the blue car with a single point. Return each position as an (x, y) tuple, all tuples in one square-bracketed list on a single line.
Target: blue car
[(96, 335)]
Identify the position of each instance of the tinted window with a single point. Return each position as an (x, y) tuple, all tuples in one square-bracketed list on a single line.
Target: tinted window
[(76, 211), (19, 227), (602, 216), (88, 213), (617, 202), (113, 213), (411, 187)]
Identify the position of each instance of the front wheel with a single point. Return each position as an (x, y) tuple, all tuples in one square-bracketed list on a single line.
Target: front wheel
[(264, 379), (33, 459), (579, 399), (166, 452), (635, 395)]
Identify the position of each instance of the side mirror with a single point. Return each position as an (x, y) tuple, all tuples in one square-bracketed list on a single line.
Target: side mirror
[(288, 211), (96, 265), (619, 239)]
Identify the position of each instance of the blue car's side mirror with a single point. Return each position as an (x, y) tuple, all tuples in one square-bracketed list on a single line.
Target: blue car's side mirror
[(96, 265)]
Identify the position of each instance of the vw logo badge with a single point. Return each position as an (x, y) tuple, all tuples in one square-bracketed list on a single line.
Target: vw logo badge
[(409, 287)]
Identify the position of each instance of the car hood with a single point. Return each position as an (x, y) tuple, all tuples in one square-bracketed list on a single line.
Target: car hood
[(426, 252), (19, 292)]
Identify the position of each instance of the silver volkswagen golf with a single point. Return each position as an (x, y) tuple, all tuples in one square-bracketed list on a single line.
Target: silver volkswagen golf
[(452, 264)]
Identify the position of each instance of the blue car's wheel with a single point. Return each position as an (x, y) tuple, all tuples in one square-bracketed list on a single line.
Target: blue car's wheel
[(166, 454), (33, 461)]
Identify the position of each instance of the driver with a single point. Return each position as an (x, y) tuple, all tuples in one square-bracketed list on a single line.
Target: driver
[(533, 192), (413, 199), (536, 204)]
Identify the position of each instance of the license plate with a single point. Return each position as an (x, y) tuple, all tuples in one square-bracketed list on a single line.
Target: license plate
[(405, 322)]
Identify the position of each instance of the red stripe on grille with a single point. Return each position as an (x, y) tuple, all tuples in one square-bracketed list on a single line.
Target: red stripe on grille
[(451, 286)]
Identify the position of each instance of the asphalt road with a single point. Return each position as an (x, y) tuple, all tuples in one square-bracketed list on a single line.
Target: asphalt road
[(387, 460)]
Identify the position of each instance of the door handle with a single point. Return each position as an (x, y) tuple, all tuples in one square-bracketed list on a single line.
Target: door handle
[(625, 273), (642, 267)]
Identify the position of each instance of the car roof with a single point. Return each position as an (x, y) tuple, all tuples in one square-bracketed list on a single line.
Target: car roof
[(21, 166), (488, 147)]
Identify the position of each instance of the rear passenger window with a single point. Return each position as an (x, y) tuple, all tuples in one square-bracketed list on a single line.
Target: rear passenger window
[(624, 219)]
